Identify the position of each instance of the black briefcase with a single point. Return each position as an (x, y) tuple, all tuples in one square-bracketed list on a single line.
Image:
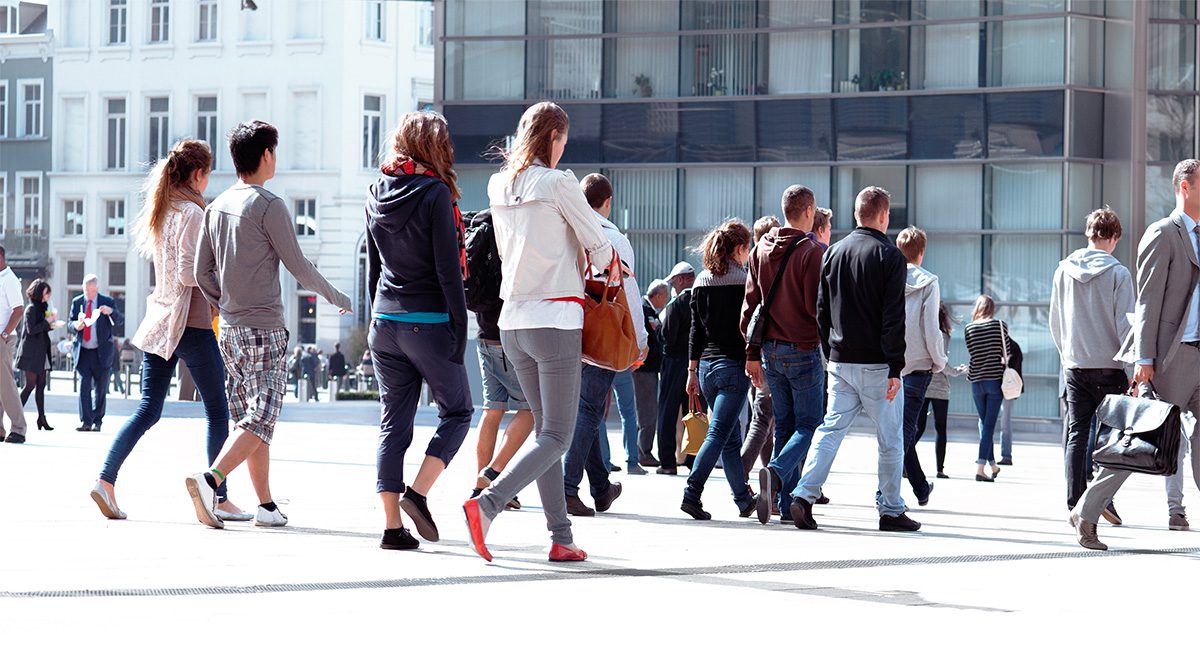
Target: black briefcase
[(1141, 434)]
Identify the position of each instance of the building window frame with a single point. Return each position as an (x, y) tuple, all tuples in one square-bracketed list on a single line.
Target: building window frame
[(160, 22), (74, 216), (11, 25), (304, 215), (31, 112), (4, 109), (206, 120), (372, 130), (116, 134), (425, 26), (3, 201), (29, 203), (115, 216), (375, 21), (207, 21), (118, 23), (158, 127)]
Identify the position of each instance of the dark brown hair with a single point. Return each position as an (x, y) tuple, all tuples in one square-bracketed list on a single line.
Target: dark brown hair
[(796, 199), (37, 290), (911, 242), (945, 321), (871, 203), (1185, 170), (722, 243), (985, 308), (763, 226), (596, 189), (168, 182), (424, 137), (535, 137), (1103, 224), (247, 142)]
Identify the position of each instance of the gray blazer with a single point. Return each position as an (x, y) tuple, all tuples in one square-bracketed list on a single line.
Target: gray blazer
[(1167, 272)]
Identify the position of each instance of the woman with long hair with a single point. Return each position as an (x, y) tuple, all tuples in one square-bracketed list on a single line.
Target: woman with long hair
[(33, 359), (987, 341), (416, 265), (717, 363), (178, 321), (547, 234)]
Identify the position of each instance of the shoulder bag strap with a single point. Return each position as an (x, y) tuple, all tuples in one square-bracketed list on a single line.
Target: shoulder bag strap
[(1004, 340), (766, 305)]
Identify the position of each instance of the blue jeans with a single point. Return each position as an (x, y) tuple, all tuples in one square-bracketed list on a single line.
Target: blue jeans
[(627, 407), (198, 350), (987, 401), (725, 384), (854, 388), (797, 382), (915, 385), (583, 454), (1006, 431)]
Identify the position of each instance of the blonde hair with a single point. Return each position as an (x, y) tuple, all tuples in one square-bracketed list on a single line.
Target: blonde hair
[(535, 137), (985, 308), (169, 181), (722, 243), (424, 137)]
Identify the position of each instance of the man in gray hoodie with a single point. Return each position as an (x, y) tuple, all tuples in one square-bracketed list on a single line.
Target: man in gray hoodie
[(924, 350), (1090, 304)]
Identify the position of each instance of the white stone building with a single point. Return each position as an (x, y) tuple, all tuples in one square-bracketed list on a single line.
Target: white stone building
[(133, 76)]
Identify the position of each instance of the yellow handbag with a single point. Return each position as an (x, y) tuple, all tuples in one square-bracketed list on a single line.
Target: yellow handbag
[(695, 426)]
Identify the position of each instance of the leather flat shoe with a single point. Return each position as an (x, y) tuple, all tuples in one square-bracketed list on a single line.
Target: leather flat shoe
[(605, 500), (983, 479), (576, 507), (560, 553), (107, 507), (801, 512)]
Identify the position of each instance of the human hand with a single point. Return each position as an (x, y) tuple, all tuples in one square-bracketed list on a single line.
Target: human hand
[(1143, 373), (754, 372), (105, 310), (693, 383), (893, 388)]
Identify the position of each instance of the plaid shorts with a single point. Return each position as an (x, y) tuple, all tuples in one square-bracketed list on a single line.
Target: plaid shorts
[(255, 360)]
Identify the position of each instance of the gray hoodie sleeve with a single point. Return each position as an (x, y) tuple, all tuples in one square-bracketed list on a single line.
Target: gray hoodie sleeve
[(932, 328), (1056, 299)]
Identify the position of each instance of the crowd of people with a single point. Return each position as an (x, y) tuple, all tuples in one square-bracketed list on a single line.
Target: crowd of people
[(807, 335)]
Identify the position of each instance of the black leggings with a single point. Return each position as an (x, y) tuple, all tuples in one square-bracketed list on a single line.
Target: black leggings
[(35, 380), (940, 408)]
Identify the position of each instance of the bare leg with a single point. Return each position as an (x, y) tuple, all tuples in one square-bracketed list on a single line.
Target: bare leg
[(518, 430), (246, 447), (431, 468), (485, 446), (259, 464), (391, 509)]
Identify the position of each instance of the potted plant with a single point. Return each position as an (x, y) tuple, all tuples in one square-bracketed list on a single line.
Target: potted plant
[(643, 86), (716, 82)]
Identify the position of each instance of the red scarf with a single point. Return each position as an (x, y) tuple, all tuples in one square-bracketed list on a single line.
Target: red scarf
[(409, 167)]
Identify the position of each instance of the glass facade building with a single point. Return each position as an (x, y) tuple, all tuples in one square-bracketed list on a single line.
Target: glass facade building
[(996, 125)]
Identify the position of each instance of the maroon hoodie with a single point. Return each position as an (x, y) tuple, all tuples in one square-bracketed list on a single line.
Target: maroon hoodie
[(793, 314)]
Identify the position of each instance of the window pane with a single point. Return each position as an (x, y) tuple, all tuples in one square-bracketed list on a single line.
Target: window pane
[(1087, 125), (871, 60), (639, 133), (1025, 124), (642, 67), (1172, 9), (946, 127), (772, 182), (1006, 7), (714, 194), (1160, 195), (1085, 194), (789, 13), (485, 70), (1025, 196), (949, 54), (1019, 265), (718, 65), (566, 17), (158, 105), (946, 9), (795, 130), (785, 51), (75, 273), (1170, 127), (956, 259), (869, 11), (472, 182), (1027, 53), (1087, 52), (485, 17), (563, 69), (583, 145), (474, 129), (875, 128), (718, 14), (116, 273), (1172, 56), (716, 132), (645, 203), (206, 104), (850, 180)]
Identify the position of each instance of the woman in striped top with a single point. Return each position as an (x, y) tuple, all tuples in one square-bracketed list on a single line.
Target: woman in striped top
[(987, 338)]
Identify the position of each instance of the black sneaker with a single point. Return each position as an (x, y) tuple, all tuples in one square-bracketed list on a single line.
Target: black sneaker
[(418, 509), (398, 540), (614, 469), (605, 499), (695, 510), (513, 505), (14, 438), (928, 491), (942, 474), (750, 508), (667, 471), (822, 499), (801, 510), (900, 523)]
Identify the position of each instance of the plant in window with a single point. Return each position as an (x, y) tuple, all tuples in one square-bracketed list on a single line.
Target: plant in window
[(716, 82), (643, 86)]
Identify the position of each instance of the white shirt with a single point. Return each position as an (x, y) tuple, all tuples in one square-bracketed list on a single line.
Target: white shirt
[(10, 295)]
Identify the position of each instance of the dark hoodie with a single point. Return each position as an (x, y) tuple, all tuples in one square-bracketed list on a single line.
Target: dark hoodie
[(413, 253), (793, 315)]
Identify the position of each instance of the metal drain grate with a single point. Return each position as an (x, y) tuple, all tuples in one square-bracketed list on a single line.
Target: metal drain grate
[(606, 573)]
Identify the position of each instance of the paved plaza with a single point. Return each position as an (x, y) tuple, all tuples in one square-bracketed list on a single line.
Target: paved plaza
[(994, 577)]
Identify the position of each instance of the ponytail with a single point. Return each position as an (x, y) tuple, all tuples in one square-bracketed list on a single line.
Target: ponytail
[(722, 243), (166, 184)]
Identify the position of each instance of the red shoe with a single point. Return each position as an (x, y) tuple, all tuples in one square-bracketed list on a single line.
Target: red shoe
[(560, 553), (477, 525)]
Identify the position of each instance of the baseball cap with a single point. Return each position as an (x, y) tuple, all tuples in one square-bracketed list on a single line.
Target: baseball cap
[(682, 268)]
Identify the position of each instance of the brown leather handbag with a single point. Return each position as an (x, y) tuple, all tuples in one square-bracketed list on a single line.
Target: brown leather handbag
[(609, 340)]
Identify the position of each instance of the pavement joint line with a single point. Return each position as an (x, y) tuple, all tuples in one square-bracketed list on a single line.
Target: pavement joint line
[(612, 572)]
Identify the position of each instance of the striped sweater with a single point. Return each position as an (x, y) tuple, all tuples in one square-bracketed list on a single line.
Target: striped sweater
[(986, 346)]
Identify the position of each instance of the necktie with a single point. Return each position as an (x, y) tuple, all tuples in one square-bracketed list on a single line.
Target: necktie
[(87, 329)]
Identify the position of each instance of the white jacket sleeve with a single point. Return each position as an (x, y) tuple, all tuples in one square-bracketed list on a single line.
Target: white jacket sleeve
[(581, 218)]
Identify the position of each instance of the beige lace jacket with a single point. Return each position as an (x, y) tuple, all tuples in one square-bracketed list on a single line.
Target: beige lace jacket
[(175, 294)]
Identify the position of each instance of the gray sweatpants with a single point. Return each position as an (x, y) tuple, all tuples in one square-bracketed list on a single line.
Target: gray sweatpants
[(547, 366)]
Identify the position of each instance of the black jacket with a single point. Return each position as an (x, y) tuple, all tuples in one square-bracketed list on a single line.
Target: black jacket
[(654, 339), (860, 309), (489, 322), (413, 251), (35, 348), (717, 315), (677, 325), (337, 364)]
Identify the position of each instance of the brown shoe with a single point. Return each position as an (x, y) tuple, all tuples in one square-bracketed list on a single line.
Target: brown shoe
[(576, 507), (1085, 534), (801, 510)]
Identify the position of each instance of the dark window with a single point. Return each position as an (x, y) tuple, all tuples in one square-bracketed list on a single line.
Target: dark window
[(641, 133), (946, 127), (718, 14), (475, 128), (1025, 124), (308, 318), (74, 275), (116, 273), (795, 130), (716, 131), (871, 128), (1087, 125), (870, 11), (583, 145)]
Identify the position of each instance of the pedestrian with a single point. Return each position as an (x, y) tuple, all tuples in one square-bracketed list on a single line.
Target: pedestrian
[(645, 375), (247, 233), (310, 365), (1165, 341), (626, 399), (672, 385), (760, 443), (924, 350), (822, 231), (987, 343), (788, 362), (1016, 359), (545, 232), (596, 382), (33, 358), (93, 316), (717, 364), (178, 321), (114, 372), (295, 368), (337, 365), (1090, 301), (416, 267), (937, 396), (860, 315)]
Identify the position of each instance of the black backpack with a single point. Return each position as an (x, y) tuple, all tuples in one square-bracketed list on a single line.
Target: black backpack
[(483, 263)]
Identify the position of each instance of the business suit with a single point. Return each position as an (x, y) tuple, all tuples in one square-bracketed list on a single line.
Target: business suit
[(1167, 273), (93, 364)]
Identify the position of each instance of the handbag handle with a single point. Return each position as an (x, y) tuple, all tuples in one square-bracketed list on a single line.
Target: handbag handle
[(694, 403), (613, 270), (1149, 393)]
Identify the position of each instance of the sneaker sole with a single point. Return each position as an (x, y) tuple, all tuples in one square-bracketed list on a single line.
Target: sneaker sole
[(473, 530), (108, 513), (203, 513), (1113, 520), (425, 526), (258, 523), (765, 496), (1179, 528)]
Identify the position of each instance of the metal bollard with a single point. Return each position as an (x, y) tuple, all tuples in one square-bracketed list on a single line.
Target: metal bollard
[(303, 385), (333, 391)]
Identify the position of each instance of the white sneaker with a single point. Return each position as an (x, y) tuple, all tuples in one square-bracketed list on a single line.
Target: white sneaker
[(204, 498), (266, 518), (240, 517)]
